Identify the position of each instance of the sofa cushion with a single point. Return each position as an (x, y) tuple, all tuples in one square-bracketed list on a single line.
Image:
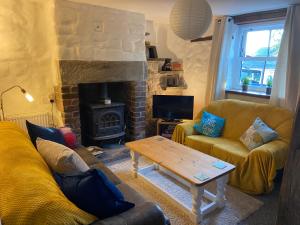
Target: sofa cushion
[(93, 192), (51, 134), (258, 134), (210, 125), (230, 151), (60, 158), (29, 193), (110, 175), (205, 144)]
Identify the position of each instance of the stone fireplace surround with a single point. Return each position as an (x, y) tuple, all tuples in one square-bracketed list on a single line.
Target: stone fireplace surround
[(132, 74)]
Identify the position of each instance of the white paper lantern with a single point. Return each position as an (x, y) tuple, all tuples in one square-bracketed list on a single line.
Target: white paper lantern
[(190, 19)]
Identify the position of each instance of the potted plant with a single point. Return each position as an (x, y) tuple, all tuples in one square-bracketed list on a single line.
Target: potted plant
[(269, 85), (245, 83)]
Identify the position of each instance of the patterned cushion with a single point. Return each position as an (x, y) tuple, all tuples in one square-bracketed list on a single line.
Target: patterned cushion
[(258, 134), (210, 125)]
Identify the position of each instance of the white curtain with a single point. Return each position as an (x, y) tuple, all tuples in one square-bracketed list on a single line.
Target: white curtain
[(220, 59), (286, 85)]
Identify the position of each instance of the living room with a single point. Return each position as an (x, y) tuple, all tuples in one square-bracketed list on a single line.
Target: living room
[(149, 112)]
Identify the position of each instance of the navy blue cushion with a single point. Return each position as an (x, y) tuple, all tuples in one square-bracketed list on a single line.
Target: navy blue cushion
[(94, 193), (50, 134)]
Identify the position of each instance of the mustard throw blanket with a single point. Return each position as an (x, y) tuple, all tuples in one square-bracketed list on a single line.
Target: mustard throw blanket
[(256, 169), (28, 192)]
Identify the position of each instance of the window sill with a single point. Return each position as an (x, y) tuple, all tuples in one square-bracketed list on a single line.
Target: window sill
[(248, 93)]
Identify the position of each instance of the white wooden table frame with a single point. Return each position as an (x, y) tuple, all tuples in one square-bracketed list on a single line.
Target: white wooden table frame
[(198, 192)]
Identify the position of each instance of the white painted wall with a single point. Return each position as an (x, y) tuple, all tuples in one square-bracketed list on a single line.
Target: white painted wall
[(28, 53), (88, 32), (194, 56)]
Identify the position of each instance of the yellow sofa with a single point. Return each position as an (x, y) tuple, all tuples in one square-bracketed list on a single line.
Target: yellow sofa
[(256, 169), (28, 192)]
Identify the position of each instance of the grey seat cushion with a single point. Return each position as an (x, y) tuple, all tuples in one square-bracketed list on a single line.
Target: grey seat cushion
[(130, 194)]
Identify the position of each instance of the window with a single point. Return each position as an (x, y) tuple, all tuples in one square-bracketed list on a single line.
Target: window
[(256, 51)]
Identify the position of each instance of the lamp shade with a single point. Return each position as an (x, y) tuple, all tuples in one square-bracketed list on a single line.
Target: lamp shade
[(190, 19)]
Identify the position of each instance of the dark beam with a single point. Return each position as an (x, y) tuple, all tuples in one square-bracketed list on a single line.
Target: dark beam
[(208, 38)]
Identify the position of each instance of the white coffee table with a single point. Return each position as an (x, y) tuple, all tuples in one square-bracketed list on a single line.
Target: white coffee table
[(183, 163)]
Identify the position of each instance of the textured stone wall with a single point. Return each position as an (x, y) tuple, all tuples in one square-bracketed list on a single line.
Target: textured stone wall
[(75, 71), (153, 88), (87, 32), (28, 54), (194, 56)]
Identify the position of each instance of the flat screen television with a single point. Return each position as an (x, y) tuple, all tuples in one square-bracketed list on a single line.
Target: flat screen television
[(173, 107)]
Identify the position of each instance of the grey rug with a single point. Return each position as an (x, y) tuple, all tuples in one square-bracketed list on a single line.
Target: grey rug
[(238, 206)]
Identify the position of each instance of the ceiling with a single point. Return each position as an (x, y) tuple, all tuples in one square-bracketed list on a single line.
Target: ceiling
[(159, 10)]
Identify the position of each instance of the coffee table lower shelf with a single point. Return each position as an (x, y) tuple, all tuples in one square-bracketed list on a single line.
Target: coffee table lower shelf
[(197, 210)]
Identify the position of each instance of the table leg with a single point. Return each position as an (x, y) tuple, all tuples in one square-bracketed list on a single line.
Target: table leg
[(197, 194), (221, 184), (135, 163)]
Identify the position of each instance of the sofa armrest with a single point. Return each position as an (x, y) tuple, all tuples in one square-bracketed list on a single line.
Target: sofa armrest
[(182, 130), (277, 150), (260, 166), (145, 214)]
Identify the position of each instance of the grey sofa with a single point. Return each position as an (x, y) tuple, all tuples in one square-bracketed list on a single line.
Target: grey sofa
[(144, 213)]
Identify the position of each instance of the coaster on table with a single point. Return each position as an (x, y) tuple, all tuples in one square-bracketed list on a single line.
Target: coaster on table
[(220, 165), (201, 176)]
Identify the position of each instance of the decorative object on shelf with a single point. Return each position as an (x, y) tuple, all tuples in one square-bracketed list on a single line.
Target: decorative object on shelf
[(269, 85), (176, 66), (173, 80), (151, 52), (25, 93), (190, 19), (167, 65), (245, 83)]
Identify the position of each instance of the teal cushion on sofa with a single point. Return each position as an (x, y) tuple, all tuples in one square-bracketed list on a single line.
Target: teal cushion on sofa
[(210, 125)]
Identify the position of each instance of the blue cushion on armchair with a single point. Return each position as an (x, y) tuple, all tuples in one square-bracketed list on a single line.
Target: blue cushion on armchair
[(94, 193)]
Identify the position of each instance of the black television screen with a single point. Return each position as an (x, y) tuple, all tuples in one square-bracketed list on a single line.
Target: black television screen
[(173, 107)]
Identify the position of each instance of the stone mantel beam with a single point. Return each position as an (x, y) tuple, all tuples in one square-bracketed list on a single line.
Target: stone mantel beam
[(77, 71)]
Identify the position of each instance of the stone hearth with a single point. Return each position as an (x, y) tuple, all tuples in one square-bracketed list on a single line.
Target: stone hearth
[(132, 74)]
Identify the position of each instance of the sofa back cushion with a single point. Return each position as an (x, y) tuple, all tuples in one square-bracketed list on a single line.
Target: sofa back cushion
[(29, 193), (240, 115)]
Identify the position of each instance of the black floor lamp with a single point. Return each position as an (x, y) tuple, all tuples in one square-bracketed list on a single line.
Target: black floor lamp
[(25, 93)]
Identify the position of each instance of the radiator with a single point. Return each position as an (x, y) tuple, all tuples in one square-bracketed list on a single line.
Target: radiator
[(40, 119)]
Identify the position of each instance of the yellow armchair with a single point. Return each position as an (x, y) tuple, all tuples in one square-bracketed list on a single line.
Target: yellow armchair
[(256, 169)]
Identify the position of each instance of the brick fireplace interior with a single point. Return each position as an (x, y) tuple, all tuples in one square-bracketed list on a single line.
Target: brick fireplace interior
[(122, 120)]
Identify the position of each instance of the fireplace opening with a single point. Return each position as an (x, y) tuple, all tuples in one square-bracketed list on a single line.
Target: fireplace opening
[(102, 113), (111, 112)]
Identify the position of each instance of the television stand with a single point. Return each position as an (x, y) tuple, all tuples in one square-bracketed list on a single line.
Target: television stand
[(166, 128)]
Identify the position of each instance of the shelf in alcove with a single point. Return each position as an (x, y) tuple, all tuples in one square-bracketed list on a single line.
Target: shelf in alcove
[(170, 72), (181, 87)]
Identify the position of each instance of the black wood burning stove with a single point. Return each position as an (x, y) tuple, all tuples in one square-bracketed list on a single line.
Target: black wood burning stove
[(100, 122)]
